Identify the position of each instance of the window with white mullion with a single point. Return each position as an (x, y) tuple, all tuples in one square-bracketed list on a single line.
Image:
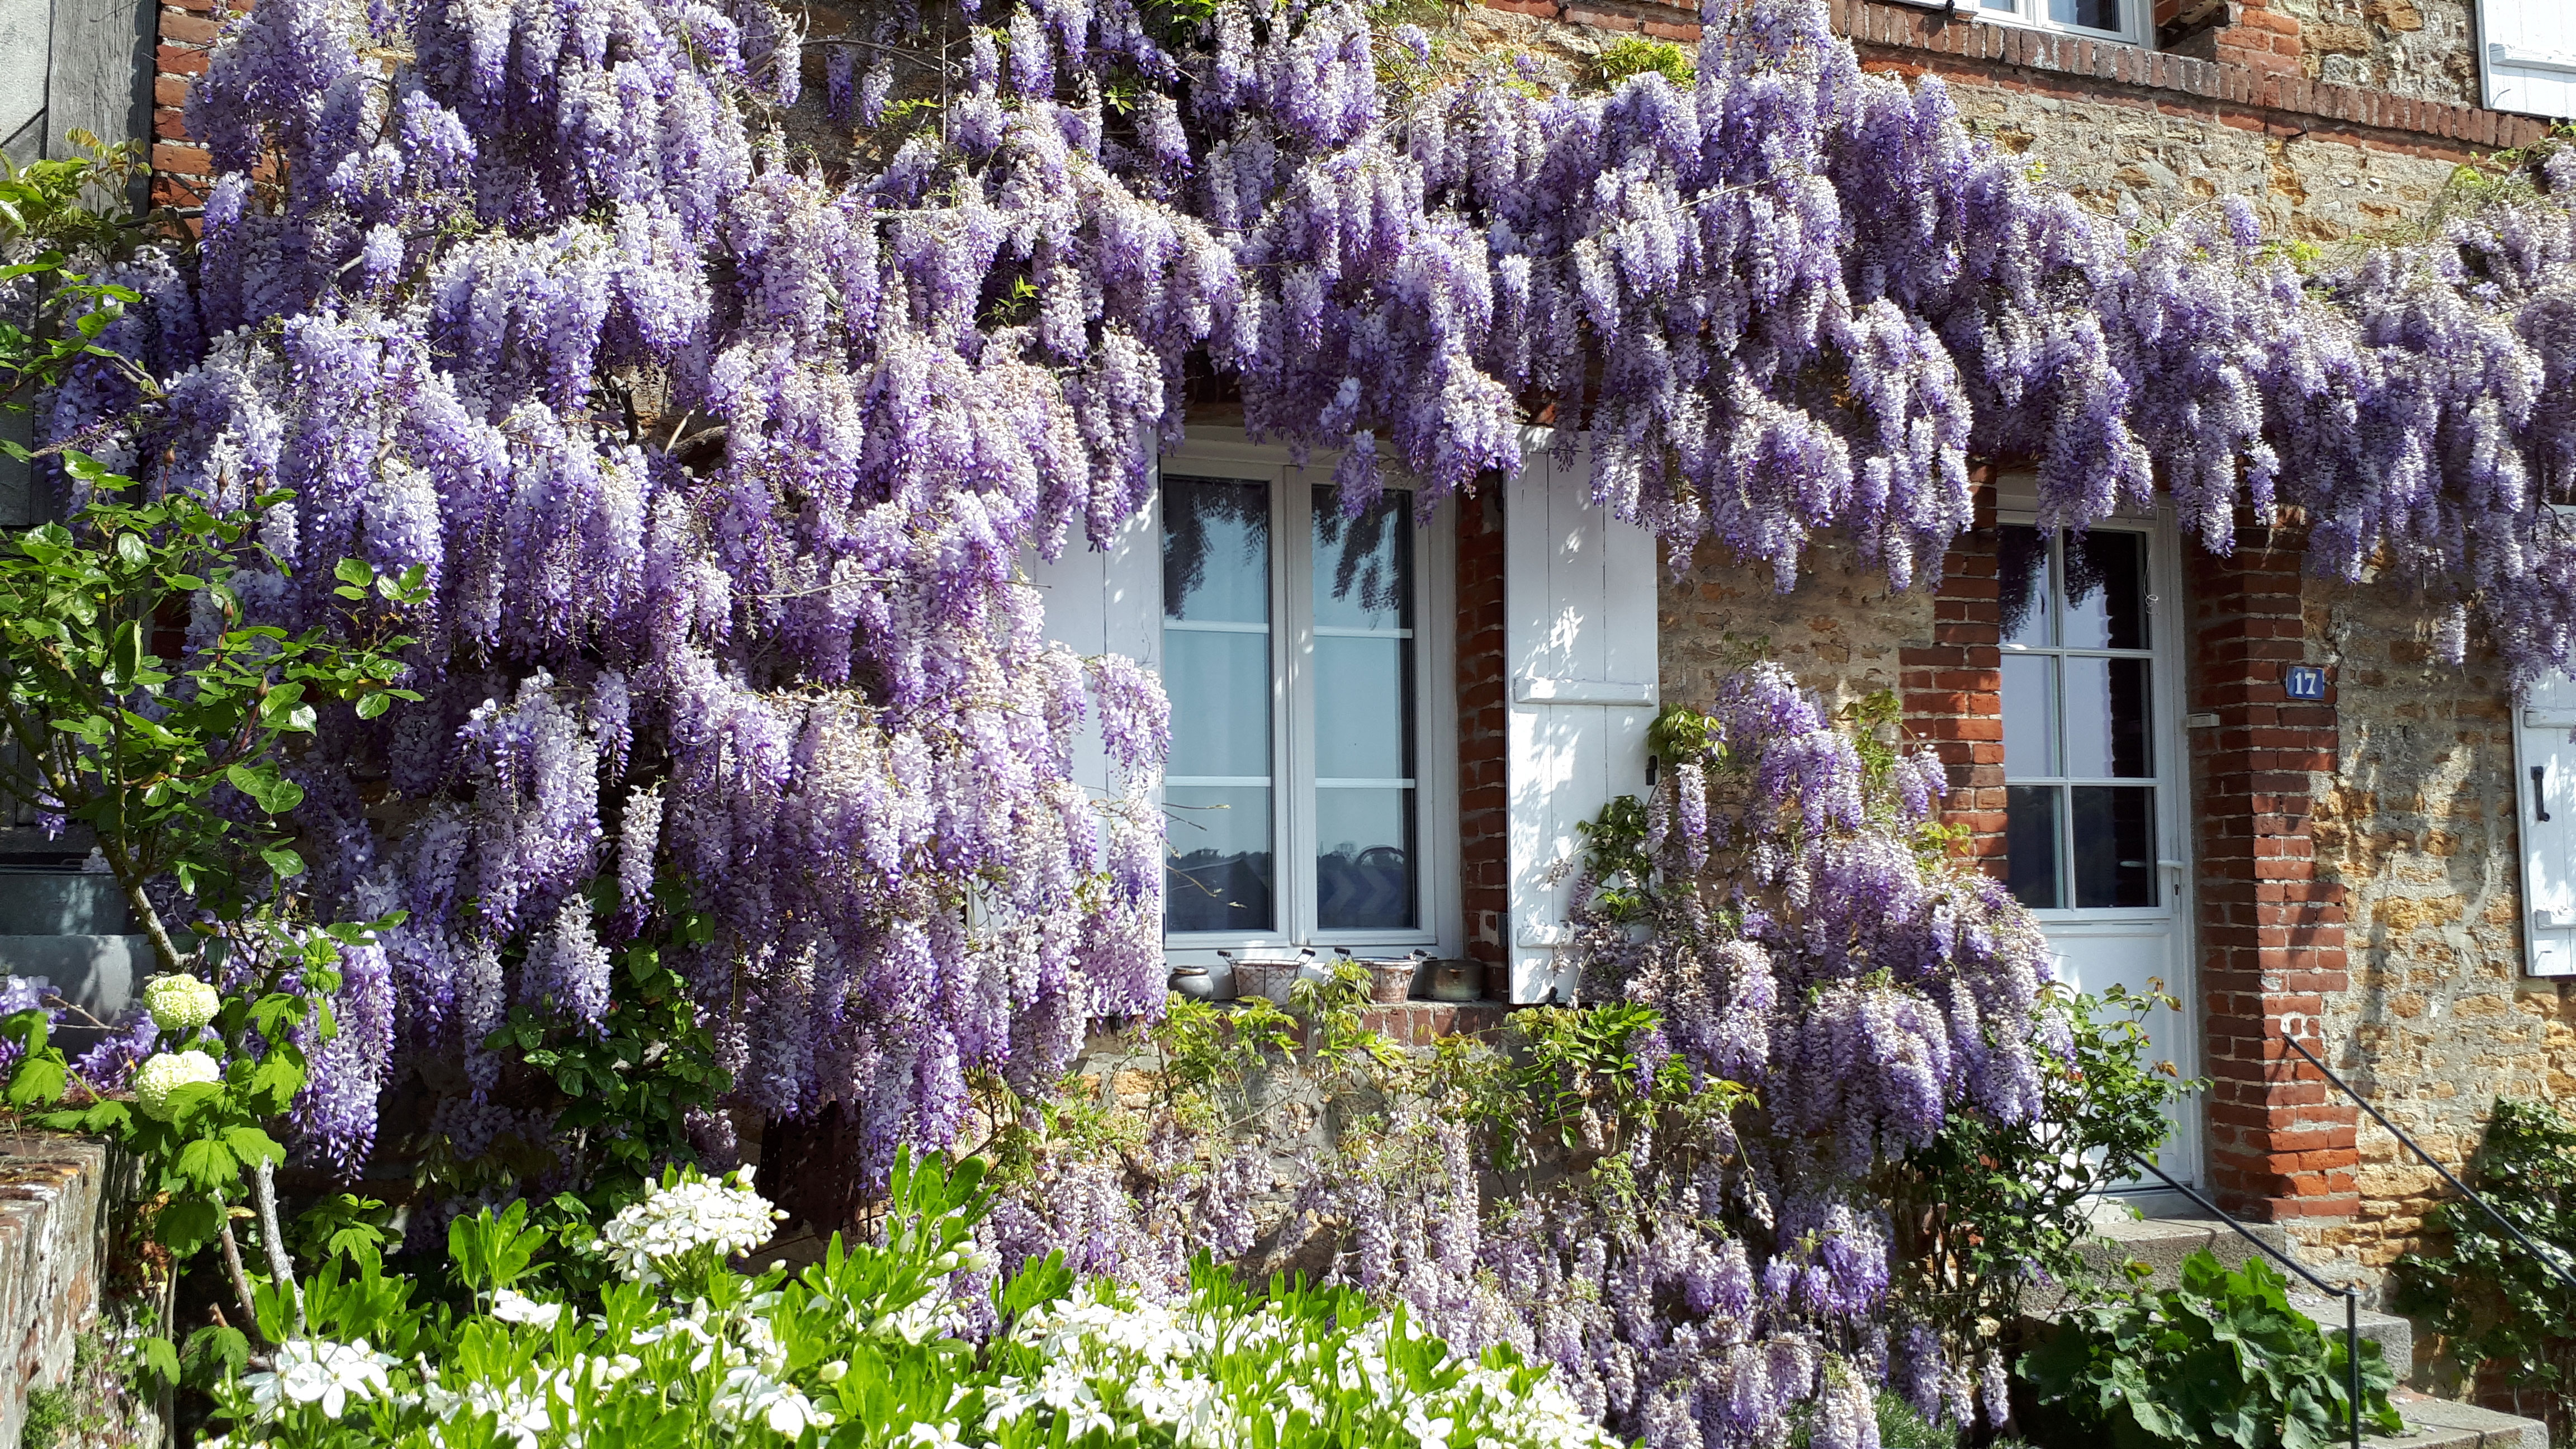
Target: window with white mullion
[(1327, 847)]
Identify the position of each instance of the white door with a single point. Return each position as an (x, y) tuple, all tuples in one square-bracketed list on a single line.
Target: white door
[(2095, 775), (2545, 820)]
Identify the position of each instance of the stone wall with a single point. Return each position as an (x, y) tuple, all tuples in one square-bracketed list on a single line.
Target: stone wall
[(2423, 48), (53, 1262), (2417, 824)]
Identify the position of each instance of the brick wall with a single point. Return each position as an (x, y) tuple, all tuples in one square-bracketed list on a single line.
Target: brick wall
[(1953, 686), (1484, 866), (2271, 931), (179, 165)]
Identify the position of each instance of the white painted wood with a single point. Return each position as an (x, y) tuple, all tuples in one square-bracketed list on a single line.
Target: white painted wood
[(2527, 56), (1105, 601), (2542, 745), (1580, 647)]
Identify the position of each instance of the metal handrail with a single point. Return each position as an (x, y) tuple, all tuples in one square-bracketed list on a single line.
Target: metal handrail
[(2350, 1293), (2457, 1186)]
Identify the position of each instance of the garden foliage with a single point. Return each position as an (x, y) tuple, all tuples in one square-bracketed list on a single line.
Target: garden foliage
[(856, 1351), (720, 450), (2222, 1359), (2500, 1313)]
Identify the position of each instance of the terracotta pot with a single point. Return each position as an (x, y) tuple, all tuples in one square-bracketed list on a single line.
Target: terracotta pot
[(1390, 982)]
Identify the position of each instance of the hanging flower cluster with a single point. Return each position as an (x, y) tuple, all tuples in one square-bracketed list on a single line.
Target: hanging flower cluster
[(721, 461)]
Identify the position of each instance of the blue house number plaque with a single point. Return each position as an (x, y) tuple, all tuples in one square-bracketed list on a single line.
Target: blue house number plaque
[(2303, 681)]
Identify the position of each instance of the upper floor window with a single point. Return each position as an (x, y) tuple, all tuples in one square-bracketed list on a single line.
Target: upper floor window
[(1295, 797), (2123, 20)]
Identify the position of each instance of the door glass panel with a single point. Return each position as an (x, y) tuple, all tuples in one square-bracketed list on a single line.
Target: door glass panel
[(2031, 834), (1364, 871), (2114, 846), (2106, 590), (2028, 609), (1220, 876), (2106, 719), (2030, 714)]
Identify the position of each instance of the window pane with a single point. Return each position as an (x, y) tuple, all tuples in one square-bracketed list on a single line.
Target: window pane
[(1364, 859), (2106, 719), (2030, 715), (1363, 708), (2030, 838), (2106, 590), (1219, 685), (2115, 858), (2022, 554), (2098, 14), (1216, 550), (1364, 565), (1219, 878)]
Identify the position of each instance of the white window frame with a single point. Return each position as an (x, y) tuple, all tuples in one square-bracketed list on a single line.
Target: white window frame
[(1223, 453), (2033, 15)]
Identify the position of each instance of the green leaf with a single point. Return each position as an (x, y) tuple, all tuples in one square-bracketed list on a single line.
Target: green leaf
[(284, 861), (186, 1225), (253, 1146), (161, 1359), (209, 1164)]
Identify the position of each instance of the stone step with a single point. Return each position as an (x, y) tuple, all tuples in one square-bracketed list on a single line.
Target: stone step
[(101, 975), (2162, 1244), (2443, 1424), (2394, 1335), (62, 903)]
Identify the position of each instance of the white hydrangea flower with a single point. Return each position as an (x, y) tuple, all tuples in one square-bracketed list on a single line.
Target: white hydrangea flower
[(165, 1072), (180, 1003), (318, 1371), (511, 1306), (672, 1222)]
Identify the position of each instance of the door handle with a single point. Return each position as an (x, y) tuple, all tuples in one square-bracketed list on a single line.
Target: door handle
[(2539, 794)]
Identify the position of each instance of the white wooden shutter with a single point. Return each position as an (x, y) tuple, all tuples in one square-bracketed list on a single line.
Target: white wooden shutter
[(2545, 815), (1579, 648), (2527, 56), (1105, 601)]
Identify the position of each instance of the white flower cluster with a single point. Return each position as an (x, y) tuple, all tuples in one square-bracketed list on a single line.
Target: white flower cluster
[(166, 1072), (673, 1222), (1205, 1377), (317, 1371), (180, 1003)]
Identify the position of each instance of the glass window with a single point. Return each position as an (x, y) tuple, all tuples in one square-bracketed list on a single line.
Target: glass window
[(2107, 19), (1363, 699), (1339, 667), (2079, 719), (1217, 673)]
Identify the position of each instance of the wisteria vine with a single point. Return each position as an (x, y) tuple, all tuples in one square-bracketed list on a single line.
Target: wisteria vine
[(722, 452)]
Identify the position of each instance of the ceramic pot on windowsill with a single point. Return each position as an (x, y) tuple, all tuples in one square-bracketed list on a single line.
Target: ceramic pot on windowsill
[(1391, 978), (1196, 982)]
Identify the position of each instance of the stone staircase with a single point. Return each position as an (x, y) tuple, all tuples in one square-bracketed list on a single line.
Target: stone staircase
[(73, 929), (2162, 1244)]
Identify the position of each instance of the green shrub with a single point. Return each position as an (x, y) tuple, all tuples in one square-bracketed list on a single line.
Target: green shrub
[(2223, 1359), (2494, 1305)]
